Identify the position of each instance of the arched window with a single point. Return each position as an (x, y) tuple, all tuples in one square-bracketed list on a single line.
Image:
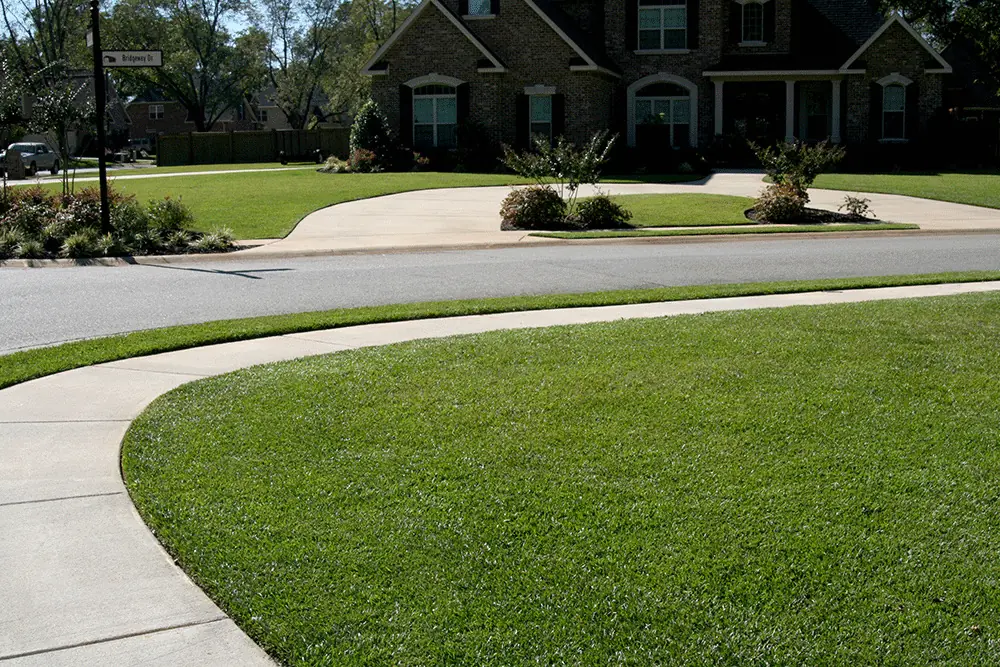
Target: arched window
[(663, 116), (435, 116), (894, 111), (753, 22)]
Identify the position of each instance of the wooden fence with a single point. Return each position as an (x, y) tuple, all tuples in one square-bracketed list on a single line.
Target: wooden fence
[(249, 146)]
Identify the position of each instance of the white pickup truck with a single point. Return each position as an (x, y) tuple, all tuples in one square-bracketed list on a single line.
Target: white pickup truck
[(35, 156)]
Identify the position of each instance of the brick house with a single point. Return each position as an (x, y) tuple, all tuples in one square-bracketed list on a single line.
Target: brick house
[(661, 73)]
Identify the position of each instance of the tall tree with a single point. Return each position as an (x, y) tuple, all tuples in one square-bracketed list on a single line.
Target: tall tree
[(46, 37), (204, 68), (302, 36)]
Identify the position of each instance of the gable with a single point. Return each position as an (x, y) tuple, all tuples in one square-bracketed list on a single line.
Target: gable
[(897, 29), (491, 64)]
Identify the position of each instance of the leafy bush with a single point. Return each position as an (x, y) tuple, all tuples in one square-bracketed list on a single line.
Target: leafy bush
[(35, 225), (370, 132), (858, 208), (601, 212), (533, 207), (219, 240), (562, 163), (421, 162), (334, 165), (364, 162), (797, 163), (780, 203)]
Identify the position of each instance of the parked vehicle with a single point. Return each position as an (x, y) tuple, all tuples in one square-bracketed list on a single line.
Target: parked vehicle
[(35, 156)]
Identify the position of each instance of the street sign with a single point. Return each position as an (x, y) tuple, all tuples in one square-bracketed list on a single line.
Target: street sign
[(132, 58)]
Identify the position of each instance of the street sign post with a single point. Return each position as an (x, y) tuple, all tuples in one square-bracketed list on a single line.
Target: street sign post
[(132, 58)]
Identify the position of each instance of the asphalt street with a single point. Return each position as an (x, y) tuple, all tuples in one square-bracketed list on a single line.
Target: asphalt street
[(52, 305)]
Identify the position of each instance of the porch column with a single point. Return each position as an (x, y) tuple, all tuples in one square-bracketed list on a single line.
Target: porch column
[(835, 113), (718, 108), (789, 111)]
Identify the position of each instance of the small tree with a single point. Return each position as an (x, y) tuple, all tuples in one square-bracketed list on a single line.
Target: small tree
[(63, 108), (797, 163), (562, 163), (11, 91), (370, 132)]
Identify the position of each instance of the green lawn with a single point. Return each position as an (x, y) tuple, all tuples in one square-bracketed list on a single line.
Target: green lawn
[(978, 189), (686, 210), (728, 231), (796, 486), (31, 364)]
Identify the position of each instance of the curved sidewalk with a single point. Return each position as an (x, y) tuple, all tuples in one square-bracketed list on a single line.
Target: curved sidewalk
[(84, 582), (469, 217)]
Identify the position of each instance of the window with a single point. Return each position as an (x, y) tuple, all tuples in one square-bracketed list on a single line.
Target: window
[(894, 112), (540, 110), (156, 112), (262, 115), (435, 116), (753, 22), (480, 8), (663, 115), (662, 25)]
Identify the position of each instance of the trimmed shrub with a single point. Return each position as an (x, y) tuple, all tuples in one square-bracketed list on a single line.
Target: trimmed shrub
[(364, 161), (601, 212), (533, 207), (780, 203), (169, 215), (370, 132)]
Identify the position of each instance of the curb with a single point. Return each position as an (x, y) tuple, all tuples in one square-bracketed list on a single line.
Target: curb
[(536, 242)]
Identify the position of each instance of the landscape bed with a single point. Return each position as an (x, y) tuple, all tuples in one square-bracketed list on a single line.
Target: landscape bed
[(803, 485)]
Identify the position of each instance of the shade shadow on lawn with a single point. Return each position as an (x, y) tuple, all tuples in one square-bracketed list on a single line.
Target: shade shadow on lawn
[(797, 486)]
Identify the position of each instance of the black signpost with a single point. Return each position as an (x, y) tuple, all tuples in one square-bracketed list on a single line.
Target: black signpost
[(111, 59)]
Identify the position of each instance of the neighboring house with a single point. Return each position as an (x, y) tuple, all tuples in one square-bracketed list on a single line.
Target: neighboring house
[(662, 73), (972, 97)]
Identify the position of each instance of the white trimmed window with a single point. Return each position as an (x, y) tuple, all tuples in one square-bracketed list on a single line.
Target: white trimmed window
[(753, 22), (540, 113), (262, 115), (894, 112), (662, 25), (664, 110), (480, 8), (155, 112), (435, 116)]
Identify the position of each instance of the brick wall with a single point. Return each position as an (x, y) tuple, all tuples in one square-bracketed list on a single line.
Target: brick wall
[(173, 121)]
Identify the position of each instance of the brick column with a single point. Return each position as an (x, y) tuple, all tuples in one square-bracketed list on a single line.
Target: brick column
[(835, 113), (789, 111), (718, 108)]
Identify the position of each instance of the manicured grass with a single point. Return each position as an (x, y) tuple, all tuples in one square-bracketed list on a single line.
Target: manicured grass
[(795, 486), (30, 364), (726, 231), (978, 189), (685, 210)]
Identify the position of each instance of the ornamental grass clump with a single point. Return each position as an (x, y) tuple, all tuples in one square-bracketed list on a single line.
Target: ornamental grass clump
[(34, 224)]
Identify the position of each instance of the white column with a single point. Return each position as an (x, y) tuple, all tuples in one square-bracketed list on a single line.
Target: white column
[(718, 108), (789, 111), (835, 115)]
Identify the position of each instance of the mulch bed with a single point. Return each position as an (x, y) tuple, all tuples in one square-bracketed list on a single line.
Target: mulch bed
[(815, 216)]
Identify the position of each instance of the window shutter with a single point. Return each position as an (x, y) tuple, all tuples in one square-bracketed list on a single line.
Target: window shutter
[(632, 24), (770, 20), (462, 103), (463, 7), (913, 112), (558, 115), (494, 7), (736, 23), (875, 122), (406, 115), (693, 14), (521, 129)]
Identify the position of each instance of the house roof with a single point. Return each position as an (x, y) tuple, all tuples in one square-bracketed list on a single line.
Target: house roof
[(591, 54), (856, 20), (945, 68), (371, 69)]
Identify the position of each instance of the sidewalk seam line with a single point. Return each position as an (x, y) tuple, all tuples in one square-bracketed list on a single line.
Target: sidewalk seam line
[(53, 500)]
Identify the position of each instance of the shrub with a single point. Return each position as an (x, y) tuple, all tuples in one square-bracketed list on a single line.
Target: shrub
[(9, 240), (29, 249), (858, 208), (797, 163), (562, 162), (80, 244), (780, 203), (364, 161), (334, 165), (370, 131), (421, 162), (219, 240), (533, 207), (169, 215), (601, 212)]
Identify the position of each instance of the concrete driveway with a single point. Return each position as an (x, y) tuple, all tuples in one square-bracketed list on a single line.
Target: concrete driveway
[(469, 217)]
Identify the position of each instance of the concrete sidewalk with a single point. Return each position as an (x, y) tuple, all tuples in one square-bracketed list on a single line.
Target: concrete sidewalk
[(83, 580), (470, 217)]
